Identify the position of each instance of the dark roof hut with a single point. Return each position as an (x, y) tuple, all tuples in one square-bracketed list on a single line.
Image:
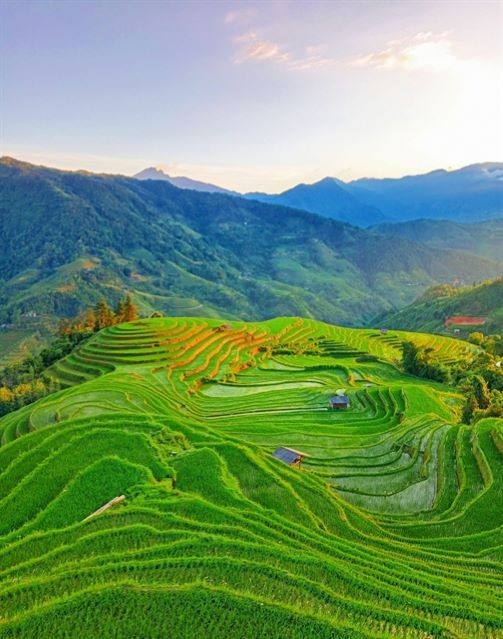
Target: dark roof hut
[(339, 401), (289, 456)]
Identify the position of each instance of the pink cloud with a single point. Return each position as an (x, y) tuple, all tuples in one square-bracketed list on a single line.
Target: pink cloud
[(254, 48)]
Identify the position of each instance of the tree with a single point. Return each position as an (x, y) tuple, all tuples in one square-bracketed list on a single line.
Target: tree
[(469, 409), (130, 312), (120, 312), (420, 361), (481, 391), (409, 357), (104, 315), (476, 338), (89, 319)]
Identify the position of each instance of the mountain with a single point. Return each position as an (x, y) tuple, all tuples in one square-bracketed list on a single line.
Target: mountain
[(430, 310), (70, 237), (328, 197), (181, 182), (481, 238), (471, 194)]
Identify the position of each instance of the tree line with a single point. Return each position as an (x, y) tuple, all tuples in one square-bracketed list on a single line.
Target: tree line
[(101, 316), (26, 381), (479, 378)]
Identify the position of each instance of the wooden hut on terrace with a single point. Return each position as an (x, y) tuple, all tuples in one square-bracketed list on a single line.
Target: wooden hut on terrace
[(289, 456), (338, 402), (222, 328)]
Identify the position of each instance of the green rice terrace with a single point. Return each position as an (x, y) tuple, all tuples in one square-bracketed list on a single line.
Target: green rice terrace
[(144, 500)]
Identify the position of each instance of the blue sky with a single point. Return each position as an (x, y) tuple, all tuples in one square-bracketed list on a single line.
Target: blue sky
[(252, 95)]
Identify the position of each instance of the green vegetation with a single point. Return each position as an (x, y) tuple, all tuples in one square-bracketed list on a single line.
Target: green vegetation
[(27, 380), (478, 375), (69, 239), (481, 238), (391, 528), (422, 362), (429, 312)]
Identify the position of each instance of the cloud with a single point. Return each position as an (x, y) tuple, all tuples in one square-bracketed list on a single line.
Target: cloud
[(425, 51), (252, 47)]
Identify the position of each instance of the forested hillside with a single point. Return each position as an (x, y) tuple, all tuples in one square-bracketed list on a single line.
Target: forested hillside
[(430, 311), (481, 238), (68, 238)]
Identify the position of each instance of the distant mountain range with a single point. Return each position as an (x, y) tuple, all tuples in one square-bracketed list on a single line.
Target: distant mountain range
[(70, 237), (328, 197), (471, 194)]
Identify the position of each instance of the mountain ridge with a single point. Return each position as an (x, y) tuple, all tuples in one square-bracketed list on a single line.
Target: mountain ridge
[(469, 194), (182, 182), (71, 238), (328, 198)]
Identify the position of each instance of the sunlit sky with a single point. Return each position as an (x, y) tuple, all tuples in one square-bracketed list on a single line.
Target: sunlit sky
[(252, 95)]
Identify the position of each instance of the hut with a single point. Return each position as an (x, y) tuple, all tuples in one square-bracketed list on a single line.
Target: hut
[(289, 456), (222, 327), (338, 402)]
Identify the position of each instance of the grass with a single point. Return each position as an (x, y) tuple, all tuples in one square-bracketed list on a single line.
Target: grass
[(391, 528)]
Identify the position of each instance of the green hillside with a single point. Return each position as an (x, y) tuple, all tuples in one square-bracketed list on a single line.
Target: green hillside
[(429, 312), (481, 238), (70, 238), (389, 529)]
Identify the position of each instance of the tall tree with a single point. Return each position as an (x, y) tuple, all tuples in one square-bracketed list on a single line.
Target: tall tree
[(104, 315), (120, 312), (481, 391), (130, 312)]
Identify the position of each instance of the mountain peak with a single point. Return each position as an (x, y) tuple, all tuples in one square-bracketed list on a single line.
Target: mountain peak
[(152, 173), (182, 182), (329, 197)]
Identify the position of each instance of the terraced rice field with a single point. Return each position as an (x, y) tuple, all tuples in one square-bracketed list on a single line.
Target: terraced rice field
[(391, 528)]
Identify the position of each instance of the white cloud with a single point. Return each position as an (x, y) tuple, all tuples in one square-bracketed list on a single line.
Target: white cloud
[(425, 51)]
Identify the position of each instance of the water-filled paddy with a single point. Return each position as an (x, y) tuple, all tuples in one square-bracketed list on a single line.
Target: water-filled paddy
[(239, 390)]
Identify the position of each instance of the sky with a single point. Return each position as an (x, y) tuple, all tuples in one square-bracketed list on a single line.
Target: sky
[(252, 95)]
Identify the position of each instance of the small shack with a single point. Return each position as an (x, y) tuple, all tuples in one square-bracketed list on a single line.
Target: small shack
[(289, 456), (339, 401), (222, 327)]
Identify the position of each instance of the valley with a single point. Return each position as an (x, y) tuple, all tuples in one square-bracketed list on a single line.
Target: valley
[(72, 238)]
